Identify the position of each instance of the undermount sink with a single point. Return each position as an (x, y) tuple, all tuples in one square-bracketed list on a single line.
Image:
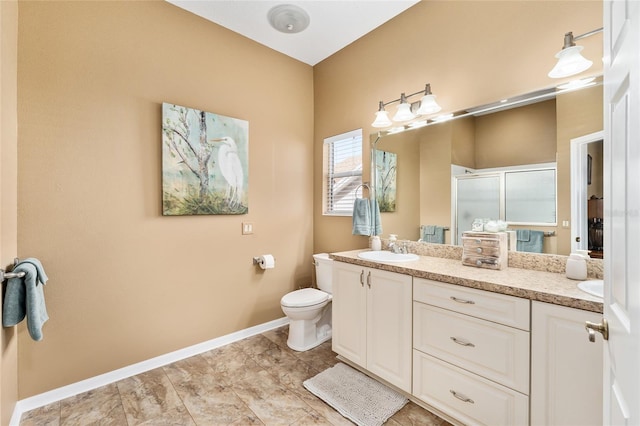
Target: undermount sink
[(593, 287), (387, 256)]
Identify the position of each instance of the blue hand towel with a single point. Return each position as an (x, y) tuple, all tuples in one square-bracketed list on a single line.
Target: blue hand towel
[(529, 241), (25, 297), (432, 234), (361, 217), (376, 223)]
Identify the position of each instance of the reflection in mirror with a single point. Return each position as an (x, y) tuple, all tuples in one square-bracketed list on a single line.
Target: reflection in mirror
[(517, 195), (537, 130), (587, 191)]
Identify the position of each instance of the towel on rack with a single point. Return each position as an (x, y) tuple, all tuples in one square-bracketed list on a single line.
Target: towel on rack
[(361, 217), (376, 223), (366, 217), (529, 240), (25, 297), (432, 234)]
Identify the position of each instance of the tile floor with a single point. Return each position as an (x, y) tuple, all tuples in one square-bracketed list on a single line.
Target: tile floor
[(256, 381)]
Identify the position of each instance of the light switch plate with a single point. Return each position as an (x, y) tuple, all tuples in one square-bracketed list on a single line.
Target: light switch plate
[(247, 228)]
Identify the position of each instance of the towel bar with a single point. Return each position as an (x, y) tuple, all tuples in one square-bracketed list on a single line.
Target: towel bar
[(7, 275)]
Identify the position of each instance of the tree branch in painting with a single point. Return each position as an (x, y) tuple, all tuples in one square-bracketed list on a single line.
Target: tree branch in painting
[(190, 174)]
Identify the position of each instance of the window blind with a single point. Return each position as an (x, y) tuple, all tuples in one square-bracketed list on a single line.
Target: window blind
[(343, 172)]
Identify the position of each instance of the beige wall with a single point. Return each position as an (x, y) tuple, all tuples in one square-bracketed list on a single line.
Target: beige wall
[(472, 53), (127, 284), (8, 194), (525, 135)]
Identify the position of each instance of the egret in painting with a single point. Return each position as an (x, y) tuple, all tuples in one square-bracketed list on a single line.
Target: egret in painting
[(231, 168)]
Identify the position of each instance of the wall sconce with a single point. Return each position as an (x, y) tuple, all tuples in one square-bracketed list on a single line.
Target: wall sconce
[(570, 61), (404, 111)]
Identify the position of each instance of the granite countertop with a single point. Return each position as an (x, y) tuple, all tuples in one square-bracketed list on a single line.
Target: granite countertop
[(530, 284)]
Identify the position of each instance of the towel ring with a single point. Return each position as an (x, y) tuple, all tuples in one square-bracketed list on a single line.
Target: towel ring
[(362, 185)]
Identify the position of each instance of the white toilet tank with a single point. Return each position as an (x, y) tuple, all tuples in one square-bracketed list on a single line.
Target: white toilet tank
[(323, 271)]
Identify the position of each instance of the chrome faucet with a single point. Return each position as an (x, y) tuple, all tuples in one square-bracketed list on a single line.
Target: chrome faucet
[(394, 247)]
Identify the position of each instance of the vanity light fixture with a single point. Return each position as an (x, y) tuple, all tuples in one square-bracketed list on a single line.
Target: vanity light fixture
[(570, 61), (405, 110)]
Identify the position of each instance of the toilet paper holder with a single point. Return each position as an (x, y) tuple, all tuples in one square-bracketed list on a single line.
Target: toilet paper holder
[(260, 261)]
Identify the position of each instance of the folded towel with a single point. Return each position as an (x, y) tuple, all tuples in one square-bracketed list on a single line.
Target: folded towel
[(376, 224), (25, 297), (529, 241), (432, 234), (361, 217)]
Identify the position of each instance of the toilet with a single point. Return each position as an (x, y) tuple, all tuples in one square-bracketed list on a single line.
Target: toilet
[(309, 309)]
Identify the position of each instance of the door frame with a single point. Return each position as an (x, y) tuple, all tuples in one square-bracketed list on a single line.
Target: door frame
[(579, 170)]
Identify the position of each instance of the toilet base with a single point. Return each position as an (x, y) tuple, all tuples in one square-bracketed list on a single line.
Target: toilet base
[(307, 334), (301, 344)]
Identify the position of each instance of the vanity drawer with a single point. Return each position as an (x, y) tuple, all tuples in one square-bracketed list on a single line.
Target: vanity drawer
[(465, 396), (494, 351), (496, 307)]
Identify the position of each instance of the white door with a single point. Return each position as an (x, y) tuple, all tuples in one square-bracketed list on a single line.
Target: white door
[(621, 398)]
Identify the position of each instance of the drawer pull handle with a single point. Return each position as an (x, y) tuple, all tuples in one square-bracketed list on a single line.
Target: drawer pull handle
[(479, 250), (462, 342), (461, 397), (469, 302)]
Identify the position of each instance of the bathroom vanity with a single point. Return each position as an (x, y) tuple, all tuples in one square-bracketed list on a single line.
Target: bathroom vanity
[(475, 346)]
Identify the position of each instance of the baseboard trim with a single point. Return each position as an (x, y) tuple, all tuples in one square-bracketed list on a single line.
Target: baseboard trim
[(58, 394)]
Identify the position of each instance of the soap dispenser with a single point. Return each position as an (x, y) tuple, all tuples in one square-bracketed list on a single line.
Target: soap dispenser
[(375, 243), (577, 265)]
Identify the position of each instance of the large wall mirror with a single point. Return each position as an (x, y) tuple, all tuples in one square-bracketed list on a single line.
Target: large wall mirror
[(530, 136)]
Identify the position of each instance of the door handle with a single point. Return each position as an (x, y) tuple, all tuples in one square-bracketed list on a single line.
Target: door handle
[(361, 278), (602, 328), (369, 279), (577, 239)]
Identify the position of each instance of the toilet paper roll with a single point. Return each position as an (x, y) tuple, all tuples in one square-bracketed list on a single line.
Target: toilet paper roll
[(266, 261)]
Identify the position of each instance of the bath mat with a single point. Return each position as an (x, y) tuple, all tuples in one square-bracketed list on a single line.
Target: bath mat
[(357, 397)]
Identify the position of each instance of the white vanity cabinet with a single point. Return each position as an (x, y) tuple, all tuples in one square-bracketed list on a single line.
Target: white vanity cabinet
[(471, 353), (372, 319), (566, 369)]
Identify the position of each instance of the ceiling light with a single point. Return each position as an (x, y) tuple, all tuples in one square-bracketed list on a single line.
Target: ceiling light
[(404, 112), (570, 61), (288, 18)]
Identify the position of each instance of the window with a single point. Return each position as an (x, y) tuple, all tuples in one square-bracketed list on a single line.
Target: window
[(342, 165)]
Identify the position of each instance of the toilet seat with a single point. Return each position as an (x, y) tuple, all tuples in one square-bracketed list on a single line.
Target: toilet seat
[(304, 298)]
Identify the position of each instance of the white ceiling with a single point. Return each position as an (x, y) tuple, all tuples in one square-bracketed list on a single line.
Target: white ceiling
[(334, 24)]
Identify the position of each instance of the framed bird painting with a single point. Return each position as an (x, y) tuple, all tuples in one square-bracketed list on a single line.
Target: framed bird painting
[(205, 162)]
